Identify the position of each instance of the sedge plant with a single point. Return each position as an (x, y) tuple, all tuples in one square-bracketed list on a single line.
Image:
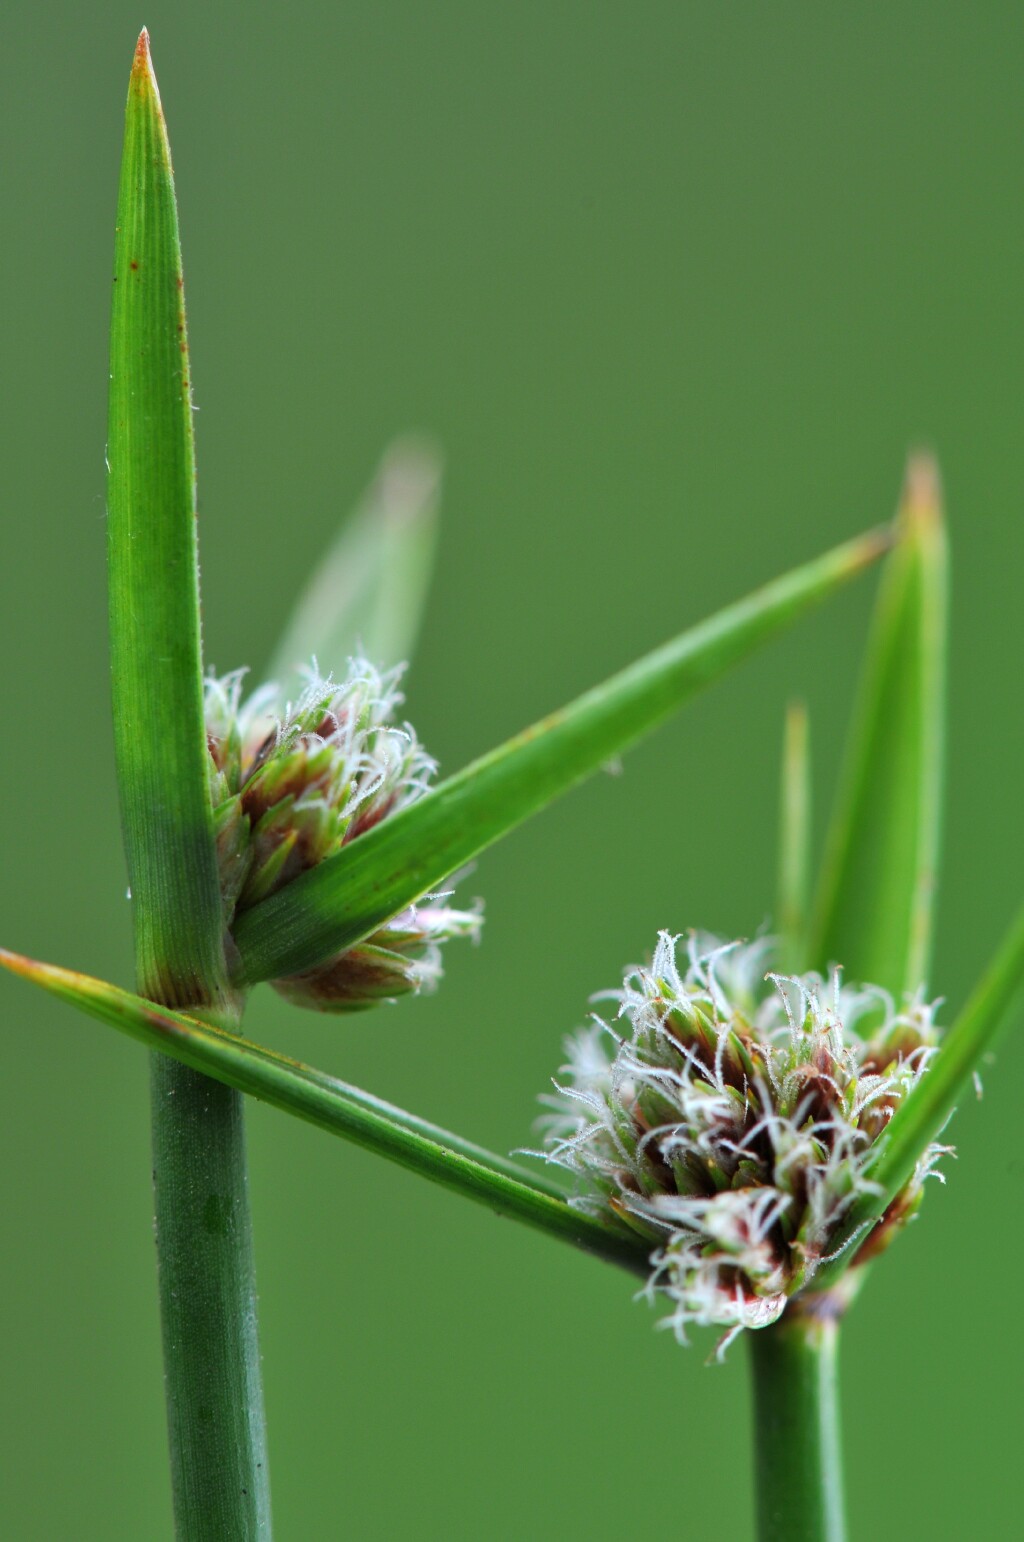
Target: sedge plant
[(752, 1123)]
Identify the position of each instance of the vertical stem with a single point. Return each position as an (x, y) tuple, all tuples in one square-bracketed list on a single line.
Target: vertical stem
[(208, 1307), (796, 1430)]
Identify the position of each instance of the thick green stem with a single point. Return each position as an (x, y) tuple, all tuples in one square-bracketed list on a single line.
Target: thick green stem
[(796, 1430), (208, 1307)]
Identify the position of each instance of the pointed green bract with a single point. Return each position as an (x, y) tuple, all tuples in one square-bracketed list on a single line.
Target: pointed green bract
[(216, 1426), (921, 1117), (794, 840), (332, 1105), (156, 668), (873, 910), (368, 593), (407, 855)]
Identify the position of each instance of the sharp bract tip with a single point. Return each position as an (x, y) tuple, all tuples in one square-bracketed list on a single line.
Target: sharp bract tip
[(143, 62), (922, 486)]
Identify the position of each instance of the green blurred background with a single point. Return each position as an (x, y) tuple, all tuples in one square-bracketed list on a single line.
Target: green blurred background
[(676, 286)]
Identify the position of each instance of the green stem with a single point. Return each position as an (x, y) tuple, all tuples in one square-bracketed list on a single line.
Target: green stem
[(796, 1430), (207, 1305)]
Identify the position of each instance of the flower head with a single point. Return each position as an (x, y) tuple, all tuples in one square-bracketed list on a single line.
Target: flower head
[(291, 785), (732, 1126)]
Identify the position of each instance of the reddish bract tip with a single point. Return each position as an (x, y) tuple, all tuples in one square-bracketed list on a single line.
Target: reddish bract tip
[(143, 61), (27, 968), (922, 488)]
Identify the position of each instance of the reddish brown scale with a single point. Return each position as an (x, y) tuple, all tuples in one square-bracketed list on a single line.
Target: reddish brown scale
[(218, 750), (733, 1071), (817, 1095), (760, 1148), (616, 1205), (296, 862), (734, 1279), (822, 1059), (702, 1047), (306, 852), (665, 1176), (368, 815), (260, 756), (700, 1180), (262, 793), (892, 1219), (702, 1043), (798, 1190), (327, 726), (691, 1041), (874, 1119), (897, 1047), (897, 1050), (353, 977)]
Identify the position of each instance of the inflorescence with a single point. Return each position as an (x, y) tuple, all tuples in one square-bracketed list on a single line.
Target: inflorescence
[(291, 785), (732, 1127)]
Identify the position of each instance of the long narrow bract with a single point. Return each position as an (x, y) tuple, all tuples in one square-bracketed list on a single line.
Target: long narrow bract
[(348, 896), (216, 1425), (332, 1105), (794, 839), (156, 667), (874, 908), (366, 595), (924, 1113)]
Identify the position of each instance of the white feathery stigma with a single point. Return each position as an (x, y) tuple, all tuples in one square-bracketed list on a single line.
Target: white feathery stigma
[(730, 1119)]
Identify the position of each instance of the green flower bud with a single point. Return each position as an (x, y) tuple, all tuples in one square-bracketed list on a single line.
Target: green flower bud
[(291, 785), (403, 956)]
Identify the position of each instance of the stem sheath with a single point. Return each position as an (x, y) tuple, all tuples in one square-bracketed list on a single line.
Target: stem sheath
[(798, 1458)]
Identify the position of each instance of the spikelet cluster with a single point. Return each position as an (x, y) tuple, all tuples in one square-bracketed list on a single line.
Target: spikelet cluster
[(732, 1123), (291, 784)]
